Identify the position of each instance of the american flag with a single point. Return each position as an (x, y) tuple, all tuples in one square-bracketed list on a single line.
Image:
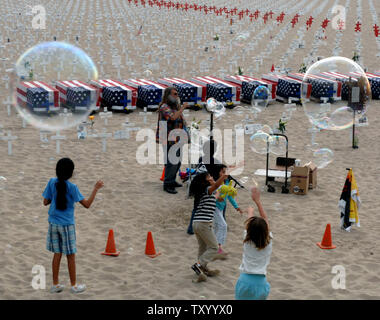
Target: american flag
[(116, 95), (249, 84), (149, 93), (38, 96), (221, 90), (343, 78), (78, 95), (321, 87), (289, 87), (188, 91)]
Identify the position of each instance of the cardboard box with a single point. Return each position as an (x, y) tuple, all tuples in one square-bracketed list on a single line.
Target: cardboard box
[(312, 175), (299, 183)]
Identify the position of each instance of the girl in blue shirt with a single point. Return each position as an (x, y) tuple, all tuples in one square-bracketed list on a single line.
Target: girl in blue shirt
[(61, 195)]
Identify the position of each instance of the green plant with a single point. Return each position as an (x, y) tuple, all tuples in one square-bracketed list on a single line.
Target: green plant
[(282, 126), (302, 68)]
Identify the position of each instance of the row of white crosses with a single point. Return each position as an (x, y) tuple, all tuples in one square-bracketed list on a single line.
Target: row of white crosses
[(358, 44), (375, 20), (337, 50), (319, 34)]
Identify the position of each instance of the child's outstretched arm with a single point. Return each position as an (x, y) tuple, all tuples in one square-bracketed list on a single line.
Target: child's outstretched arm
[(255, 195), (234, 204), (87, 202)]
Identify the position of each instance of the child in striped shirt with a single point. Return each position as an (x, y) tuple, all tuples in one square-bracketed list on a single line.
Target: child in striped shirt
[(202, 188)]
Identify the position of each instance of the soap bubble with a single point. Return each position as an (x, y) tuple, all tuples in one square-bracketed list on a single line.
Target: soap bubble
[(267, 129), (340, 87), (278, 145), (3, 183), (260, 99), (8, 249), (277, 206), (241, 39), (212, 105), (260, 141), (244, 179), (51, 77), (147, 74), (322, 157)]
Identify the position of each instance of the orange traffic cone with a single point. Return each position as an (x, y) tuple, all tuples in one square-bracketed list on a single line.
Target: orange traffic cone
[(163, 175), (111, 247), (150, 251), (326, 241)]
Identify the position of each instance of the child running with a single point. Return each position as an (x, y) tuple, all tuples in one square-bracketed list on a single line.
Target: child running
[(257, 249), (62, 195), (220, 223), (202, 188)]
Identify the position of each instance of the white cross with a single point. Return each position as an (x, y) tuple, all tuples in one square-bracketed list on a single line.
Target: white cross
[(58, 139), (105, 115), (145, 113), (44, 64), (8, 103), (9, 138), (104, 136), (65, 115), (6, 79), (129, 126)]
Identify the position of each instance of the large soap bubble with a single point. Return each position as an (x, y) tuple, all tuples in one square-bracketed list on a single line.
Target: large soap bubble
[(340, 91), (278, 145), (323, 157), (51, 87), (260, 99), (260, 141)]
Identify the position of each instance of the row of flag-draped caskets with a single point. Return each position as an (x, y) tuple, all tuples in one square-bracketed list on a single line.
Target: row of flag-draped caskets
[(132, 93)]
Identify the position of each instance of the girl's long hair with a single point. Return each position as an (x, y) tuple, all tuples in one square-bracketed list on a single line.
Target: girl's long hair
[(257, 232), (64, 171), (165, 97), (198, 186)]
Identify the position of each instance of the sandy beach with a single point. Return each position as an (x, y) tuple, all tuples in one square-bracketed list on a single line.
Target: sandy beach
[(133, 202)]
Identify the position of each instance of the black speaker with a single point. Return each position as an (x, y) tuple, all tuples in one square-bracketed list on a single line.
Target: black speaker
[(282, 161)]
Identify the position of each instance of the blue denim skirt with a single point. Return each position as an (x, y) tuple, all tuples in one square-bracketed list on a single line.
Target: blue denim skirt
[(252, 287)]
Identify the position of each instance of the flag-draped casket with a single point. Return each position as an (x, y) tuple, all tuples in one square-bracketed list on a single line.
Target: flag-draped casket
[(249, 84), (149, 93), (321, 86), (115, 95), (288, 87), (37, 96), (188, 91), (221, 90), (343, 78), (77, 95)]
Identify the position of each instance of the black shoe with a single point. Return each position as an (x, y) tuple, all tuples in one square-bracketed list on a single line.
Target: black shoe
[(196, 269), (170, 190), (177, 185)]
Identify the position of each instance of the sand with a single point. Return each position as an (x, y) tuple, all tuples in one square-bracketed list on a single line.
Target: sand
[(133, 203)]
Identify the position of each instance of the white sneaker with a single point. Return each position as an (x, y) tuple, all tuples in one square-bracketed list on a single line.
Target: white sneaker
[(57, 288), (78, 288)]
